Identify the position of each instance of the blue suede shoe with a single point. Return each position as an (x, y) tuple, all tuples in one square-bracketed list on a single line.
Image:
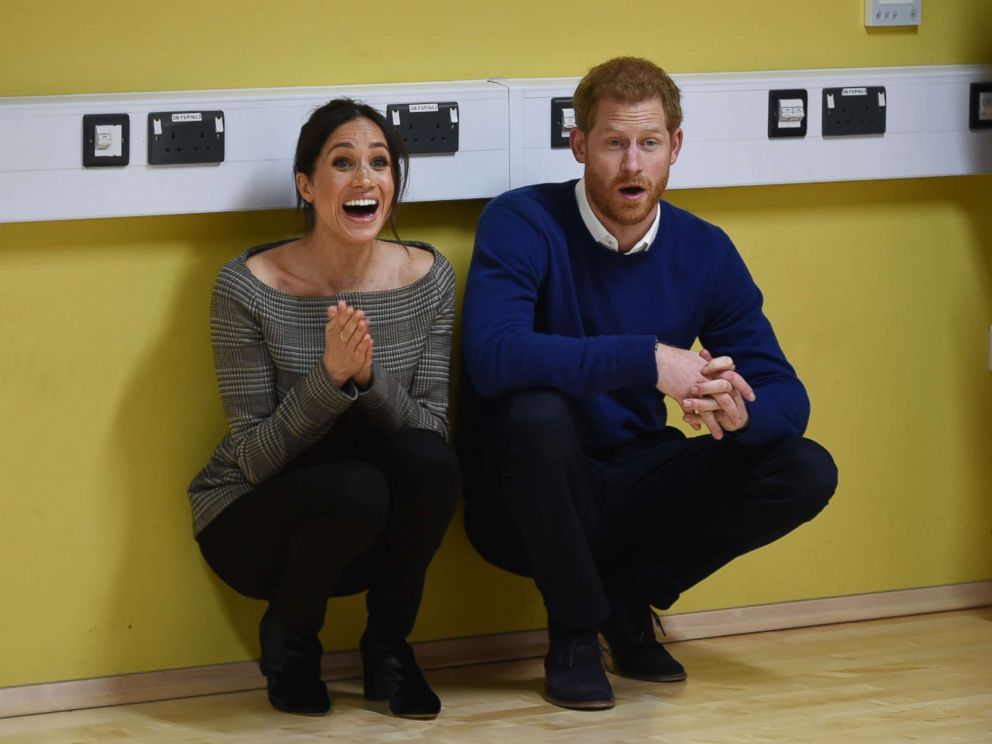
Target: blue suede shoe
[(633, 648), (573, 671)]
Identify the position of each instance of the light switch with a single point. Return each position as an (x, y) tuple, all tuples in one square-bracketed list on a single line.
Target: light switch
[(791, 113), (106, 140), (562, 121), (980, 106), (893, 12), (787, 113)]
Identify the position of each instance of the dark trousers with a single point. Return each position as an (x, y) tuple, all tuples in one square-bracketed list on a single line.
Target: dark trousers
[(340, 527), (652, 517)]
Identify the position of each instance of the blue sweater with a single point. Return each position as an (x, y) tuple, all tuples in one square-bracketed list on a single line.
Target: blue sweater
[(547, 306)]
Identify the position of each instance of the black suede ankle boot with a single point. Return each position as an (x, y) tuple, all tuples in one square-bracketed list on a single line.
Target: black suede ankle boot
[(291, 665), (392, 675)]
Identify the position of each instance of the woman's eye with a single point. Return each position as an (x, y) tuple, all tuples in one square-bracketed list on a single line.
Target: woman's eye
[(380, 163), (341, 163)]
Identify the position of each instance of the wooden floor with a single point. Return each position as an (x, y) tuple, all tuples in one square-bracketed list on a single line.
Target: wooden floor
[(917, 679)]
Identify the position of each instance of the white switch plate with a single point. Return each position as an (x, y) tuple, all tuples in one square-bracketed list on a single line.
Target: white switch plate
[(108, 140), (893, 12)]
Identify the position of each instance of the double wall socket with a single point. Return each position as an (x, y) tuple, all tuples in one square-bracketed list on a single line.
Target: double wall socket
[(426, 128), (185, 137), (853, 110)]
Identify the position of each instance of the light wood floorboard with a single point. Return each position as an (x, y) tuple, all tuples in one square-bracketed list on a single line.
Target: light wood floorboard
[(917, 679)]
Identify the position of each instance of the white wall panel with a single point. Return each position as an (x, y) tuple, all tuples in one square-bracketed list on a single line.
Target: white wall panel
[(504, 133), (726, 129), (42, 178)]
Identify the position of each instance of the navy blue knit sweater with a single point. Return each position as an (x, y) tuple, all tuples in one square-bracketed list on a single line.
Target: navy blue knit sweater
[(546, 306)]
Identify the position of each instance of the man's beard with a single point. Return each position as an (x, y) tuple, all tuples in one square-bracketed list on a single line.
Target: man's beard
[(607, 199)]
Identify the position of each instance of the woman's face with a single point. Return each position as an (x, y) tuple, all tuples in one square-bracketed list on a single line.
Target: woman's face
[(352, 187)]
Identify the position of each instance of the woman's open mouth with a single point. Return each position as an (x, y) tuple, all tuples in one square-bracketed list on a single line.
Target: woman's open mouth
[(361, 209)]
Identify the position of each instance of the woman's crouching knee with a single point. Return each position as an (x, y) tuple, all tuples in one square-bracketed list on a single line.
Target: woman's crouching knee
[(427, 467)]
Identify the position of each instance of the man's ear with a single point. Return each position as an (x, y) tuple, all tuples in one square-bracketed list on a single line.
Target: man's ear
[(676, 145), (577, 141)]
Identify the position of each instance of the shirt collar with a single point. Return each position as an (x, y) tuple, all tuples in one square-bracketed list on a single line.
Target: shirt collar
[(603, 236)]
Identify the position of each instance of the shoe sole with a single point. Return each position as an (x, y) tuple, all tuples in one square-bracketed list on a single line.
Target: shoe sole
[(650, 678), (382, 706), (583, 705), (283, 708), (610, 665)]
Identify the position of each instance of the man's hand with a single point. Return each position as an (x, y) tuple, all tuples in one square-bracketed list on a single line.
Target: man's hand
[(717, 400), (678, 371)]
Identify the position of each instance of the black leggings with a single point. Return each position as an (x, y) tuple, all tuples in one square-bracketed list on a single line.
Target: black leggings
[(339, 528)]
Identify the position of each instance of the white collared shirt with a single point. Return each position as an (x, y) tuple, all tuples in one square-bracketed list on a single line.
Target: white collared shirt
[(603, 236)]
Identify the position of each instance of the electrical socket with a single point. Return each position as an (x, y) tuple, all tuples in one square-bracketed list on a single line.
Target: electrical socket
[(185, 137), (425, 128), (853, 111)]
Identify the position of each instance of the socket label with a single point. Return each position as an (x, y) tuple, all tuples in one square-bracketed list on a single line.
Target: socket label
[(176, 118)]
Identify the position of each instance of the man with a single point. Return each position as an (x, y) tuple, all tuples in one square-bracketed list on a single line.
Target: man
[(582, 301)]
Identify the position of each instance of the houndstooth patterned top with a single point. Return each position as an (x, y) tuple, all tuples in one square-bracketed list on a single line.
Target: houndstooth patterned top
[(268, 349)]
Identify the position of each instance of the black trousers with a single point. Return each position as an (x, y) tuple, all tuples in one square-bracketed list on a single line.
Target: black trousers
[(652, 517), (339, 527)]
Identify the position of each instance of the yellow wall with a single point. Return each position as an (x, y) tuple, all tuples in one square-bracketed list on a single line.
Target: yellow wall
[(881, 293)]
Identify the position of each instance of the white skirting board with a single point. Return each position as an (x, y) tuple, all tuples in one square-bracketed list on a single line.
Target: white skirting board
[(504, 140), (239, 676)]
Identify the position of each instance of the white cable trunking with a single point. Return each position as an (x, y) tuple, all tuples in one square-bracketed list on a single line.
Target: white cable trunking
[(504, 141)]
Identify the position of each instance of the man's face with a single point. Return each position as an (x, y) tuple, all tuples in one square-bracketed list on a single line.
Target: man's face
[(627, 155)]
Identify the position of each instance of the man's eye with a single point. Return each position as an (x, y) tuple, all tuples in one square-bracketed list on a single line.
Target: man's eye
[(614, 143), (651, 143)]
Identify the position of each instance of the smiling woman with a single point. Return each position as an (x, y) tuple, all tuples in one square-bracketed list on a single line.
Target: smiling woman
[(332, 354)]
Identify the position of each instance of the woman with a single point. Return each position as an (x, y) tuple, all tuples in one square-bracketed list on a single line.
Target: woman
[(332, 354)]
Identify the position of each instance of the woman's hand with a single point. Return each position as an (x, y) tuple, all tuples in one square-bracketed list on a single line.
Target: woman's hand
[(363, 377), (347, 345)]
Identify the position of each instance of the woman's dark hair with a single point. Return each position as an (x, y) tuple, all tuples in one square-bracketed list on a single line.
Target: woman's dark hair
[(322, 124)]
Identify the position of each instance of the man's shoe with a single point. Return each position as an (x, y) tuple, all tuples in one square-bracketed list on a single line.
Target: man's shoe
[(635, 652), (392, 675), (573, 672), (291, 665)]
